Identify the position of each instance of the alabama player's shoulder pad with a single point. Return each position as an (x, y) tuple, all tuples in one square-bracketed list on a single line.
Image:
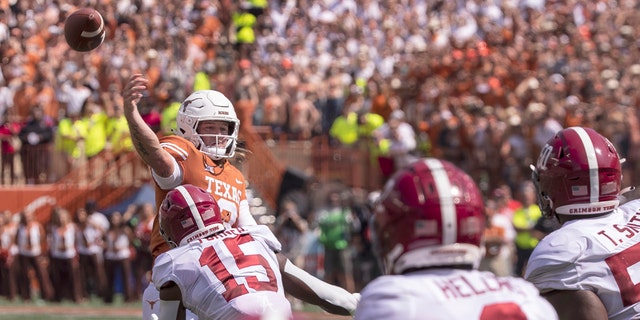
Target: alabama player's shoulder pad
[(263, 232), (557, 251)]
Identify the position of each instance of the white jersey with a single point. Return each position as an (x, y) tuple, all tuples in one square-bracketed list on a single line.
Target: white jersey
[(598, 254), (452, 294), (231, 275)]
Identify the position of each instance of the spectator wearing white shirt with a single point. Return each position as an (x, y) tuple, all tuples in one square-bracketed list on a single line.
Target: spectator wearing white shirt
[(31, 239), (118, 258), (89, 245), (397, 140), (97, 218), (65, 275)]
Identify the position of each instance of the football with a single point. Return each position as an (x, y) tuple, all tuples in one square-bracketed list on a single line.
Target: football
[(84, 29)]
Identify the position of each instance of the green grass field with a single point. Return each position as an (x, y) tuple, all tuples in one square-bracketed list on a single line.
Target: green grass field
[(34, 316), (96, 309), (93, 309)]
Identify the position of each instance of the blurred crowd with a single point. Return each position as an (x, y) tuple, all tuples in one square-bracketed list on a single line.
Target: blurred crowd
[(77, 256), (481, 83)]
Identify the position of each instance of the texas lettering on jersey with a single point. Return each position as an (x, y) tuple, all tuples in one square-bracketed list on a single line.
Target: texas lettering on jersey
[(221, 189)]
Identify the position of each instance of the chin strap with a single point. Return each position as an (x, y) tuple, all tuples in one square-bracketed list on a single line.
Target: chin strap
[(627, 189), (621, 195), (544, 202)]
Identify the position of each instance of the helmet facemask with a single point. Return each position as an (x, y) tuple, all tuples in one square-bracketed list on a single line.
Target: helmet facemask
[(216, 146), (172, 244), (544, 201)]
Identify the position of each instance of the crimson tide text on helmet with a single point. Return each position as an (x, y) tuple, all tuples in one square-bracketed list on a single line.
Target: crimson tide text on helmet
[(206, 105), (189, 213), (429, 214), (578, 173)]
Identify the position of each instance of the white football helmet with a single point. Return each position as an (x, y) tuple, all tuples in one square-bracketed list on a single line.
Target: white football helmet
[(206, 105)]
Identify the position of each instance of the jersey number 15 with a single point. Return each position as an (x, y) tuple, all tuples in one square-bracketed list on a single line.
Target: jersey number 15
[(210, 258)]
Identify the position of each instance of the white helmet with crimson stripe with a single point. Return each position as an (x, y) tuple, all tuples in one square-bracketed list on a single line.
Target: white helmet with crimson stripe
[(429, 214), (189, 213), (578, 173)]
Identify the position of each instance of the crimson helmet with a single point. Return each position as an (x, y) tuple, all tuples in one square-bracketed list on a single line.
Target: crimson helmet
[(429, 214), (189, 213), (206, 105), (578, 173)]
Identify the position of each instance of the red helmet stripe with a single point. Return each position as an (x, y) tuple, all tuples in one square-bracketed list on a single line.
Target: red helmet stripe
[(592, 160), (192, 206), (447, 207)]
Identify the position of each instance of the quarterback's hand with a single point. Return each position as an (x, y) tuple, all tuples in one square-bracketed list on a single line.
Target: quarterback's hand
[(133, 92)]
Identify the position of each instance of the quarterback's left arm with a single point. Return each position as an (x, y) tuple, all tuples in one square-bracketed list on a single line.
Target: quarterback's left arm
[(576, 304), (171, 307), (308, 288)]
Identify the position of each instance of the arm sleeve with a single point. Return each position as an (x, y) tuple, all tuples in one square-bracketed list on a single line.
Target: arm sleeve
[(163, 271), (331, 298), (552, 266), (168, 309), (245, 218), (172, 181)]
